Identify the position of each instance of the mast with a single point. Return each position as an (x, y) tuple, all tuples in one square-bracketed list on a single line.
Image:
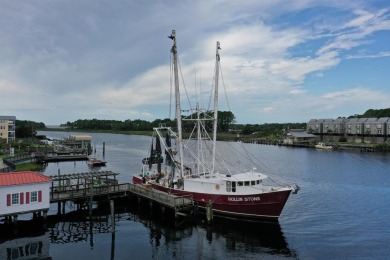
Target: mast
[(217, 58), (177, 98)]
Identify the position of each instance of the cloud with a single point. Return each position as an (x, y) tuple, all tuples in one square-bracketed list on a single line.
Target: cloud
[(369, 56), (352, 33), (89, 59)]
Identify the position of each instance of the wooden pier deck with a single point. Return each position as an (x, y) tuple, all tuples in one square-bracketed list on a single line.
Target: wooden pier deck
[(122, 190), (90, 186), (62, 157), (165, 199)]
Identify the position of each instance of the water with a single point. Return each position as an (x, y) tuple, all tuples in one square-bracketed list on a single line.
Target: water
[(341, 212)]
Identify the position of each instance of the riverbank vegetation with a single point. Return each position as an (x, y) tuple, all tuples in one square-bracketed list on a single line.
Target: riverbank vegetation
[(228, 129), (30, 166)]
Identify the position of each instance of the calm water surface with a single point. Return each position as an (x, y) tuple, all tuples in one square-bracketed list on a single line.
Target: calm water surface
[(341, 212)]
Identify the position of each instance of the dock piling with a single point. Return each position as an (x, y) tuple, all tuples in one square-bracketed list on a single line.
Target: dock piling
[(112, 216), (209, 212)]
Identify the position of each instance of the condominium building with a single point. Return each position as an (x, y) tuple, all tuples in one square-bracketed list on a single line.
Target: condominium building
[(375, 130), (7, 128)]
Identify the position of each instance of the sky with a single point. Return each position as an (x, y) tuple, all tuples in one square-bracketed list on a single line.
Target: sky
[(281, 60)]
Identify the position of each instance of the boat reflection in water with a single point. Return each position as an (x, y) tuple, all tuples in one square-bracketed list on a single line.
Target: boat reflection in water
[(264, 238), (228, 239), (141, 233)]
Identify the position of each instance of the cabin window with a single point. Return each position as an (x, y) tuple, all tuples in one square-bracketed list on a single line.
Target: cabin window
[(33, 196), (228, 186), (240, 183), (233, 186), (247, 183), (253, 183), (15, 199)]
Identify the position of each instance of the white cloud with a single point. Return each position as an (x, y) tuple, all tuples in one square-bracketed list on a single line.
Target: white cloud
[(369, 56), (111, 60)]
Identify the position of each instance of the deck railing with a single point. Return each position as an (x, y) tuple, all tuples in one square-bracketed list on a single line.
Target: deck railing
[(72, 192)]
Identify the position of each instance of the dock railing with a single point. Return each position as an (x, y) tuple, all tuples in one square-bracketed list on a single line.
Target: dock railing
[(70, 192)]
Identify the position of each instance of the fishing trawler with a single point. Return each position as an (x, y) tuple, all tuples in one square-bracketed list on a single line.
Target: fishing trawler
[(195, 167)]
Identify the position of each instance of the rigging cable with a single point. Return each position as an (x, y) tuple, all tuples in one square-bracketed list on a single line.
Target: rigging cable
[(223, 84), (185, 88)]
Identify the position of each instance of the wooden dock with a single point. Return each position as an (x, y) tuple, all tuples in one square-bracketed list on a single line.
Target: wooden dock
[(168, 200), (122, 190), (62, 157), (93, 186)]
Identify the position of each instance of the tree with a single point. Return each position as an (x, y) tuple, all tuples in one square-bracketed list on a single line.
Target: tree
[(225, 120), (26, 128)]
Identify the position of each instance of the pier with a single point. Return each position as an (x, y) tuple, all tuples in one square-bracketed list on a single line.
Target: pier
[(84, 188), (60, 156)]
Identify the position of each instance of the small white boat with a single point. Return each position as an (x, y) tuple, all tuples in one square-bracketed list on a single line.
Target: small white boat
[(323, 146), (95, 162)]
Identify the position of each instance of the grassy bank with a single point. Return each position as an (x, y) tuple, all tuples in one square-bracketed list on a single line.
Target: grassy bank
[(28, 167)]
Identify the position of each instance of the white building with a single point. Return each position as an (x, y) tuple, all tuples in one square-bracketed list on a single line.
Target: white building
[(24, 192)]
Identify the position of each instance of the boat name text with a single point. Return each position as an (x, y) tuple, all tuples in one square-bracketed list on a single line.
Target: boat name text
[(243, 198)]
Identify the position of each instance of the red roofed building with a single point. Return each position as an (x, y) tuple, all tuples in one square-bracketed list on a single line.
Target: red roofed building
[(24, 192)]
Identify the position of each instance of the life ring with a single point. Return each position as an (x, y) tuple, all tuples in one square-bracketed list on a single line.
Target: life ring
[(217, 186)]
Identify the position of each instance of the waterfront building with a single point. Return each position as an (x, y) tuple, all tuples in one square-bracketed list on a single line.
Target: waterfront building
[(315, 126), (78, 141), (24, 192), (7, 128), (370, 130), (299, 137), (335, 126), (355, 126)]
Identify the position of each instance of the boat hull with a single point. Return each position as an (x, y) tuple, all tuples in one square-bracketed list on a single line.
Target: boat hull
[(245, 207)]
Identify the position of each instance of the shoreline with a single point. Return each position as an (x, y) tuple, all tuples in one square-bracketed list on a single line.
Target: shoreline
[(363, 147)]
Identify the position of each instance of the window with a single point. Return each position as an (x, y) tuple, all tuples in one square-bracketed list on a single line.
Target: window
[(228, 186), (33, 196), (247, 183), (379, 131), (233, 186), (253, 182), (239, 183), (258, 181), (15, 199)]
